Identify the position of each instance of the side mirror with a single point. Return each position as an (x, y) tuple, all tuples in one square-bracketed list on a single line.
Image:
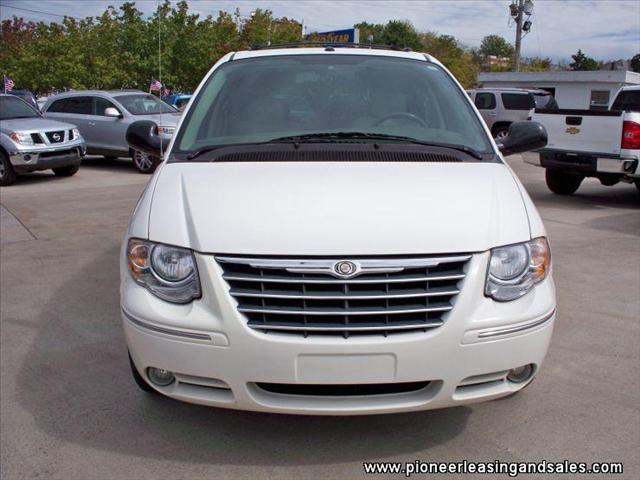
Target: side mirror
[(112, 112), (143, 136), (523, 137)]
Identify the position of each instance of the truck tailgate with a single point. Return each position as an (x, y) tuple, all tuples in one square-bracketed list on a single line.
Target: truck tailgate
[(582, 131)]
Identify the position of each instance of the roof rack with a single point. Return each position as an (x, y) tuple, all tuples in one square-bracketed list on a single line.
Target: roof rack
[(331, 45)]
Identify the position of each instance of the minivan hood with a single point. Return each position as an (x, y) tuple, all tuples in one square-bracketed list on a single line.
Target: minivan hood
[(337, 208)]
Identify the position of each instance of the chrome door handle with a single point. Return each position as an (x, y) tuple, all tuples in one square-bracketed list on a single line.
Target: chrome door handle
[(492, 114), (92, 124)]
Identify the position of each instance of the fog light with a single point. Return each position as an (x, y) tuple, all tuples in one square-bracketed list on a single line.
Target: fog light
[(27, 158), (520, 374), (160, 377)]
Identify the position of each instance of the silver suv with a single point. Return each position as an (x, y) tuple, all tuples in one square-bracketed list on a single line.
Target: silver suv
[(104, 116), (500, 107), (29, 142)]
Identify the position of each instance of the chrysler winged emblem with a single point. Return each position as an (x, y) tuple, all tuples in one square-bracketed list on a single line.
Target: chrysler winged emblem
[(345, 268)]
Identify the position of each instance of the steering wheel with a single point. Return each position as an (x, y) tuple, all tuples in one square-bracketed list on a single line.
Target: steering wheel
[(405, 115)]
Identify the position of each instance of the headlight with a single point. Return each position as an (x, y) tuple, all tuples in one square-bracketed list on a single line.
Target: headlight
[(166, 130), (75, 133), (515, 269), (21, 138), (170, 273)]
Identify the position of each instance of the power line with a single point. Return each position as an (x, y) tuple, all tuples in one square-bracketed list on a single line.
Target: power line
[(37, 11)]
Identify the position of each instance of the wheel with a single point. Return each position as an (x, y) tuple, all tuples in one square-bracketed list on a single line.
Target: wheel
[(67, 171), (141, 382), (562, 183), (7, 173), (144, 162), (500, 133)]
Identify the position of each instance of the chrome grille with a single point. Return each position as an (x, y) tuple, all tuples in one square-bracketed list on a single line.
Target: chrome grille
[(309, 297)]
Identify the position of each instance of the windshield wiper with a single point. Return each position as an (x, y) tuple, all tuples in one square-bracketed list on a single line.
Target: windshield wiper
[(202, 151), (332, 136), (329, 136)]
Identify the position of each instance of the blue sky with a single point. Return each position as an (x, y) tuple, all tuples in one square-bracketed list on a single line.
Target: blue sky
[(605, 29)]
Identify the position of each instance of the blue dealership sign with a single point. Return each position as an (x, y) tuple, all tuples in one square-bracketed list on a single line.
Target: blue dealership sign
[(349, 35)]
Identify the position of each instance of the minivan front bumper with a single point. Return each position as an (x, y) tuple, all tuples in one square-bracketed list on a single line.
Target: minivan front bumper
[(219, 361)]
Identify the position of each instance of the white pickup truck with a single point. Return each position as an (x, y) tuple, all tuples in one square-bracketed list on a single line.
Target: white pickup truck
[(591, 143)]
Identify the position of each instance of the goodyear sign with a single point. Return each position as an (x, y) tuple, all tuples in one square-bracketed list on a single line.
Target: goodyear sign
[(349, 35)]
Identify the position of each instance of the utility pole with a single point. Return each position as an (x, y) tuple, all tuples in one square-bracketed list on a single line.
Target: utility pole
[(516, 54), (518, 10)]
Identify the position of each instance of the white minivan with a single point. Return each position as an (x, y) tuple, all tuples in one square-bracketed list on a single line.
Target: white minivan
[(333, 231)]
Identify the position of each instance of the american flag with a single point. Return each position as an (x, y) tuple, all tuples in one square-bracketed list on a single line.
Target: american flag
[(8, 84), (155, 86)]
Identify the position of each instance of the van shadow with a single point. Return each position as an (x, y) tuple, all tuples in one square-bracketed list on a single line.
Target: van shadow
[(103, 163), (77, 386)]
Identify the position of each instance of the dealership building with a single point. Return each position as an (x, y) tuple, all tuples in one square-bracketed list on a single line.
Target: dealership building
[(581, 90)]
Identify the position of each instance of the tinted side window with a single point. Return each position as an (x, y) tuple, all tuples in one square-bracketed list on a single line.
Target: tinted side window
[(485, 101), (628, 101), (518, 101), (101, 104), (58, 106), (77, 105)]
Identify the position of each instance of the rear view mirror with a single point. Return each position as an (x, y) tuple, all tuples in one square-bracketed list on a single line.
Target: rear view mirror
[(143, 136), (523, 137), (112, 112)]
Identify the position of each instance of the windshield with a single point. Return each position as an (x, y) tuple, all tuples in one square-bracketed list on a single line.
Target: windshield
[(14, 107), (143, 104), (262, 99)]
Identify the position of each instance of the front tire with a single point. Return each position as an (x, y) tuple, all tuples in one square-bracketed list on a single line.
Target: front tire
[(68, 171), (562, 183), (141, 382), (7, 173), (144, 162)]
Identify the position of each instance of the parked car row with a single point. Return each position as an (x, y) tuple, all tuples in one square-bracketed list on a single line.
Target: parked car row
[(77, 123), (104, 116)]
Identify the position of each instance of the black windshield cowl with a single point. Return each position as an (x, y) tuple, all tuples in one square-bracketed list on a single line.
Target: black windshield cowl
[(333, 137), (330, 151), (337, 136)]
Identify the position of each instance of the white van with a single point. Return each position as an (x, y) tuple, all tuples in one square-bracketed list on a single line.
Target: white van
[(334, 231)]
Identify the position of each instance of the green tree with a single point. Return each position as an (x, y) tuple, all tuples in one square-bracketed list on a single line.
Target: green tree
[(497, 46), (459, 61), (402, 34), (582, 62)]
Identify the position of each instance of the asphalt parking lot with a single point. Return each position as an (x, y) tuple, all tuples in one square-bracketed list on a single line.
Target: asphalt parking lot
[(70, 409)]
